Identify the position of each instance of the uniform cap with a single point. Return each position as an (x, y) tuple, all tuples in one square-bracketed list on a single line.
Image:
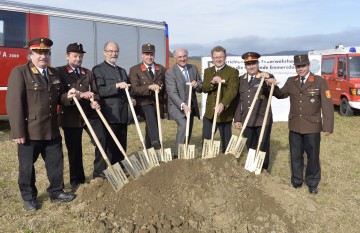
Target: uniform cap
[(301, 59), (40, 43), (148, 48), (250, 57), (75, 47)]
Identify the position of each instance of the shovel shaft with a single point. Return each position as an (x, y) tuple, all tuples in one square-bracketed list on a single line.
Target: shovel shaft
[(188, 119), (216, 111), (158, 117)]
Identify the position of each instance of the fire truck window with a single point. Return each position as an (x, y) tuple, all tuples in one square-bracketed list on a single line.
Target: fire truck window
[(354, 67), (341, 67), (327, 66), (12, 29)]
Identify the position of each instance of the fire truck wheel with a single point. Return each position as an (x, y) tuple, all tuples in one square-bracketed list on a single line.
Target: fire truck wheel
[(345, 109)]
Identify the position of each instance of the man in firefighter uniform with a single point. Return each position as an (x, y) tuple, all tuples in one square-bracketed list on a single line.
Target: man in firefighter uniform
[(73, 75), (146, 78), (34, 91), (311, 111), (227, 104), (249, 83)]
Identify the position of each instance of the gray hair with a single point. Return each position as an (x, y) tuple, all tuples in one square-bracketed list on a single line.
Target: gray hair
[(107, 43), (176, 50)]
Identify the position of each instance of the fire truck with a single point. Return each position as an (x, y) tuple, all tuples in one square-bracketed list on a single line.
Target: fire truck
[(20, 23), (341, 69)]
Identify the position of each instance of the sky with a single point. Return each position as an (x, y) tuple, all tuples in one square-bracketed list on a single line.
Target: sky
[(263, 26)]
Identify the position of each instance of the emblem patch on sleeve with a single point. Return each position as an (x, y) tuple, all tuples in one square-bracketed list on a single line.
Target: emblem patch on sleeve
[(327, 93)]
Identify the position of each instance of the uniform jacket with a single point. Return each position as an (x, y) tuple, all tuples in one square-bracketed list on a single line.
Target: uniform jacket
[(178, 91), (229, 90), (141, 80), (247, 93), (311, 108), (114, 103), (69, 115), (32, 101)]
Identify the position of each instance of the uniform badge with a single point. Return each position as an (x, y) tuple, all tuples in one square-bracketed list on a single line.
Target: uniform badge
[(262, 97), (312, 100), (143, 67), (327, 93), (34, 70)]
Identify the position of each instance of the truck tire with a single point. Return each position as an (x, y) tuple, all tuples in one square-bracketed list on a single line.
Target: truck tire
[(345, 109)]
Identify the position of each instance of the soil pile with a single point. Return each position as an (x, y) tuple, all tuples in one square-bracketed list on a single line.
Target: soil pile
[(212, 195)]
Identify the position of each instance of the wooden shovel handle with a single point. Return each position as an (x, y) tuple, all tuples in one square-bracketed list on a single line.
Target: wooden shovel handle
[(116, 140), (93, 134), (188, 116), (158, 117), (216, 112)]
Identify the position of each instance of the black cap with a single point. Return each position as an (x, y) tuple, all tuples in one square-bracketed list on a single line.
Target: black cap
[(75, 47), (40, 43), (301, 59), (148, 48), (250, 57)]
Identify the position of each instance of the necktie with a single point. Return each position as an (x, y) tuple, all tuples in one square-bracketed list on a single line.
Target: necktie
[(251, 78), (77, 72), (150, 72), (302, 81), (44, 74), (186, 74)]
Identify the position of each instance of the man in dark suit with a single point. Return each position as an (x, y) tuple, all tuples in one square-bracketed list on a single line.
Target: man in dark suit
[(111, 81), (249, 83), (32, 97), (146, 78), (73, 75), (178, 93), (311, 111), (227, 105)]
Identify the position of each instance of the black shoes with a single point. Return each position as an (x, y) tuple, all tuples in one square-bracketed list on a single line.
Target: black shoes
[(64, 197), (297, 185), (31, 205), (313, 190), (156, 145)]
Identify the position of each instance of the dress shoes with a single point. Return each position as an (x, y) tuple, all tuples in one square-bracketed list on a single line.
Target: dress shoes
[(64, 197), (313, 190), (31, 205), (297, 185), (156, 145)]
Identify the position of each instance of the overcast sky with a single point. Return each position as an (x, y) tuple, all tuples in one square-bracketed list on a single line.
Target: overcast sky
[(265, 26)]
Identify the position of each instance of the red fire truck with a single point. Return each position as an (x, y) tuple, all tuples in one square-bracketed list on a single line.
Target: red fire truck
[(20, 22), (341, 69)]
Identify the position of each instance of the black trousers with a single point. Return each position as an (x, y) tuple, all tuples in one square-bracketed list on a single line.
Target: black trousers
[(224, 129), (52, 154), (152, 131), (309, 143), (252, 134), (120, 131)]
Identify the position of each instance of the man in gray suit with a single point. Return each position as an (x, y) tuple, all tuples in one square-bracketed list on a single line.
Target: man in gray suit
[(178, 93)]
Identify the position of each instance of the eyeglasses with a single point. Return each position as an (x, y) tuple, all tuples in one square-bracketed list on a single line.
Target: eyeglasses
[(112, 51)]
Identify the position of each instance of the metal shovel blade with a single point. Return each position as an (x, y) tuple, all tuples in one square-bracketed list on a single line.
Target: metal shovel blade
[(232, 144), (240, 147), (137, 164), (181, 151), (215, 148), (167, 154), (191, 151), (260, 162), (207, 149), (116, 183), (131, 169), (145, 161), (250, 159), (120, 174), (160, 155), (152, 156)]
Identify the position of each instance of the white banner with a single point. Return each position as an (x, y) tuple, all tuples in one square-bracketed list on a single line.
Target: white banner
[(281, 67)]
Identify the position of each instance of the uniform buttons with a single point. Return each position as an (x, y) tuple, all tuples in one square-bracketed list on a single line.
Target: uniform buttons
[(50, 114), (300, 101), (80, 85), (249, 102), (300, 108), (248, 96), (49, 98), (300, 115), (248, 107), (300, 93)]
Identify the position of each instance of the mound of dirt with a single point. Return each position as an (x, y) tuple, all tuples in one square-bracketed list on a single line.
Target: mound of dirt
[(212, 195)]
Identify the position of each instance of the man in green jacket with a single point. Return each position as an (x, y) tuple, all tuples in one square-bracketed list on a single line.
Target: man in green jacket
[(227, 104)]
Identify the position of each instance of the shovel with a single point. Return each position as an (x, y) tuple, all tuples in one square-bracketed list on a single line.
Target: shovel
[(260, 155), (114, 174), (237, 148), (134, 168), (145, 160), (162, 154), (211, 148), (187, 151)]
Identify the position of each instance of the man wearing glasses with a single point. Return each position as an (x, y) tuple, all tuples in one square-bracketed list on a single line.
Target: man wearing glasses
[(111, 81), (227, 104)]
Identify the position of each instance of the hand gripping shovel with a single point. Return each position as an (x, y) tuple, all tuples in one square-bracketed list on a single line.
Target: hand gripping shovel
[(134, 168), (260, 155), (162, 154), (211, 148), (241, 141), (147, 164), (187, 151), (114, 174)]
